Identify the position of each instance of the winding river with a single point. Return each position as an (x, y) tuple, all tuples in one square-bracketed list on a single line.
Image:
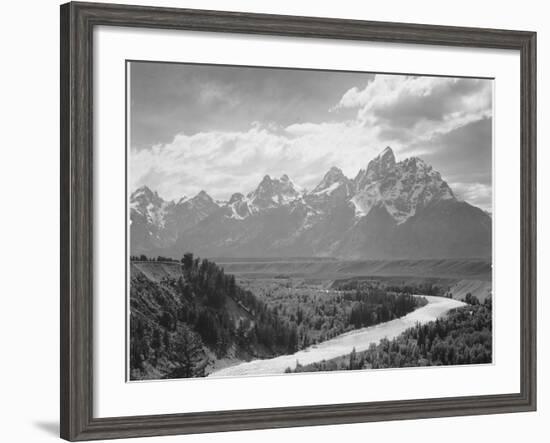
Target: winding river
[(344, 344)]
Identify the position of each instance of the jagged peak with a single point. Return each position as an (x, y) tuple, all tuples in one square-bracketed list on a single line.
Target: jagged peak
[(284, 181), (144, 195), (289, 185), (267, 179), (378, 167), (334, 171), (402, 187), (142, 190), (203, 195), (333, 177), (416, 161), (272, 192), (237, 196), (384, 161), (334, 174)]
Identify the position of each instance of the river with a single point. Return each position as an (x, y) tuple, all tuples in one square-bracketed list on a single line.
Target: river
[(360, 339)]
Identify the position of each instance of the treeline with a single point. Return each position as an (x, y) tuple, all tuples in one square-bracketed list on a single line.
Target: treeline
[(463, 337), (321, 314), (377, 306), (424, 288), (160, 258)]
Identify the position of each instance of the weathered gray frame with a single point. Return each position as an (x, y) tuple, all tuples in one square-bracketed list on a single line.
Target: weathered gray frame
[(77, 23)]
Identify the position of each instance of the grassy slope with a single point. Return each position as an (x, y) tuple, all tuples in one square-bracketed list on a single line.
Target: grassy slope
[(480, 288), (155, 271)]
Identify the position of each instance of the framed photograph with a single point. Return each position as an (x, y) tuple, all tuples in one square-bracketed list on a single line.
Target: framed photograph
[(272, 221)]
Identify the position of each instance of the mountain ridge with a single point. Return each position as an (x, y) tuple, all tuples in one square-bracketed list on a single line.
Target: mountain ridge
[(389, 210)]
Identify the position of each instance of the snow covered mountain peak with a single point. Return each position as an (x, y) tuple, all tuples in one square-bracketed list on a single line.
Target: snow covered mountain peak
[(377, 168), (391, 209), (201, 205), (236, 197), (334, 186), (333, 176), (144, 195), (386, 158), (416, 163), (238, 207), (401, 187), (149, 205), (142, 190), (203, 196), (273, 192)]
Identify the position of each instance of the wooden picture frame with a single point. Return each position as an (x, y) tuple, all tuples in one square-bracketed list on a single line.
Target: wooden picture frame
[(77, 23)]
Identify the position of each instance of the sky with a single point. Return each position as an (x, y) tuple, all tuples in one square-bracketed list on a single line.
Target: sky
[(222, 128)]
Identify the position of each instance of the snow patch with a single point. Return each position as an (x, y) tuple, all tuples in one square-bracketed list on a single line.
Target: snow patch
[(329, 190)]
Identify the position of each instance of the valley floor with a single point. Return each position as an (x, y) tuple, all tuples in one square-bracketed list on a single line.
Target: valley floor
[(344, 344)]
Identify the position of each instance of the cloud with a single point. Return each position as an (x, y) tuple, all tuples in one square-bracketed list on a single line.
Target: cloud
[(172, 98), (217, 94), (477, 194), (406, 108), (463, 153), (227, 162), (447, 121)]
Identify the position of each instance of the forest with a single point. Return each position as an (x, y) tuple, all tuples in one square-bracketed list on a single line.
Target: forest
[(178, 325), (202, 319), (407, 286), (321, 314), (462, 337)]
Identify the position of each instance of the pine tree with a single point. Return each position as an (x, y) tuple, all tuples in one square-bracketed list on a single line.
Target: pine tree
[(166, 340), (155, 342), (231, 286), (187, 261), (353, 359), (188, 355)]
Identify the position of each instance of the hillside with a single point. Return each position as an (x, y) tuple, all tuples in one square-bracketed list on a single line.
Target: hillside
[(187, 319), (479, 288)]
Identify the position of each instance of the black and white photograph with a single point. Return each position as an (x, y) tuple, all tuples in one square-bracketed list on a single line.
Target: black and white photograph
[(275, 221), (288, 220)]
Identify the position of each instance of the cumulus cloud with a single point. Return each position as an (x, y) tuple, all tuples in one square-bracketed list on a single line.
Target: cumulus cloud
[(227, 162), (445, 120), (406, 108)]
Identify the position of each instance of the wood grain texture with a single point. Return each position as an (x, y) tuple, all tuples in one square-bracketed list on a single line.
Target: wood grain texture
[(76, 307)]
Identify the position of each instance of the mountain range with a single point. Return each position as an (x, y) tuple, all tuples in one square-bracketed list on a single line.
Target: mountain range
[(390, 210)]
